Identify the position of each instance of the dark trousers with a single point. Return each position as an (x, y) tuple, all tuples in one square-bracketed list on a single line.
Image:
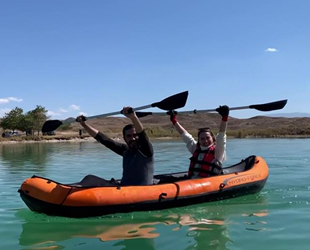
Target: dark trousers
[(95, 181)]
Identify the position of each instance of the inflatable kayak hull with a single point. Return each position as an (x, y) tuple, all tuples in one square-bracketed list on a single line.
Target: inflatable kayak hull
[(73, 200)]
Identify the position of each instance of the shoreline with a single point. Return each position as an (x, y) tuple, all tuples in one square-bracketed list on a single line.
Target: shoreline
[(54, 140), (91, 139)]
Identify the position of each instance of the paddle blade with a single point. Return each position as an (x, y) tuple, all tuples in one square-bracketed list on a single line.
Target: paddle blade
[(143, 114), (51, 125), (269, 106), (173, 102)]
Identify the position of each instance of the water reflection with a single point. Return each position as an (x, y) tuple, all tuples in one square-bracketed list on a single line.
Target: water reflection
[(17, 156), (194, 227), (205, 233), (257, 225)]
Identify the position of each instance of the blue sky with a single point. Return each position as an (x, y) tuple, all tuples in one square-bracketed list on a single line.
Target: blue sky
[(96, 56)]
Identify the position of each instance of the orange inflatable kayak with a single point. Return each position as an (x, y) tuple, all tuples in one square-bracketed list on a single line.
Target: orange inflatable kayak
[(74, 200)]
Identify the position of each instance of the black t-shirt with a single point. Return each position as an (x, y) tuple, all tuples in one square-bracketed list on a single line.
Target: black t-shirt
[(138, 164)]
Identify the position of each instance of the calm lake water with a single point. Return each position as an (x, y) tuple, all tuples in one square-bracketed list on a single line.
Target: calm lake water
[(276, 218)]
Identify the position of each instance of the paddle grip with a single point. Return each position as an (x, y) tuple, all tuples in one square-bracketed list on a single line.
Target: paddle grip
[(130, 111), (83, 118), (172, 112)]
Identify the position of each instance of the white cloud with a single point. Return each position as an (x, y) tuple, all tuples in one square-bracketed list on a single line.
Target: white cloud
[(83, 113), (10, 99), (15, 99), (52, 113), (60, 112), (74, 107), (3, 100), (271, 50), (63, 110)]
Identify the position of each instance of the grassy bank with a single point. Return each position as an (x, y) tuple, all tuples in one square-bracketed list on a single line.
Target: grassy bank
[(262, 133), (167, 131)]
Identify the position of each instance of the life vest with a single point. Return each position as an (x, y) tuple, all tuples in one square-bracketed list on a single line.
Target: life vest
[(206, 168)]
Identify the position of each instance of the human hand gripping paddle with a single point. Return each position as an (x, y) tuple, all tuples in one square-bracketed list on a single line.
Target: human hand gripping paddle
[(270, 106), (170, 103)]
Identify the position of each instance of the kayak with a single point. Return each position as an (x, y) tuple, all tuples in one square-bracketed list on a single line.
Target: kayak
[(43, 195)]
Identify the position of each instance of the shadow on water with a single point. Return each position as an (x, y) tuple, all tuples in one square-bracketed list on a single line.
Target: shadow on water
[(19, 156), (194, 227)]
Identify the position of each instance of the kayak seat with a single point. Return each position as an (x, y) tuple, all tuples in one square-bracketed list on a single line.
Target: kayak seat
[(95, 181), (170, 178), (244, 165)]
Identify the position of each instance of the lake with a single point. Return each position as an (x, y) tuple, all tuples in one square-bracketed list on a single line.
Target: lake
[(276, 218)]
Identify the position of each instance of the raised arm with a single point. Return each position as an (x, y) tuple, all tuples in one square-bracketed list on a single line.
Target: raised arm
[(224, 112), (145, 144), (116, 147), (186, 137), (220, 150), (127, 111), (176, 124)]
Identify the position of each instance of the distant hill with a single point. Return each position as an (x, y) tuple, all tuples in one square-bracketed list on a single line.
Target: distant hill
[(160, 125), (277, 125), (291, 115)]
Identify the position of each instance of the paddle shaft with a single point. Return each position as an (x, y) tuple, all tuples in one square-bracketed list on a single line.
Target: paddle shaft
[(176, 101), (117, 112), (70, 120), (261, 107), (214, 110), (195, 111), (170, 103)]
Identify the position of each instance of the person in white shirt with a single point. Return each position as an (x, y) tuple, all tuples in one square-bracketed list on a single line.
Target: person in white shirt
[(209, 152)]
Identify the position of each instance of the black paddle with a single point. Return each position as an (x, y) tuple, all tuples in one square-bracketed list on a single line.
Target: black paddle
[(270, 106), (170, 103)]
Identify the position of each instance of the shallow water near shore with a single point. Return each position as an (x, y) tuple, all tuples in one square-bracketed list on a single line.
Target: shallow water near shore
[(276, 218)]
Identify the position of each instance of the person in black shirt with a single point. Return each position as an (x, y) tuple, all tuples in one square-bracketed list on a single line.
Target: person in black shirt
[(137, 152)]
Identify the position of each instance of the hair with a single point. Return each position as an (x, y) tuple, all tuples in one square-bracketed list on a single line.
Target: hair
[(206, 129), (127, 127)]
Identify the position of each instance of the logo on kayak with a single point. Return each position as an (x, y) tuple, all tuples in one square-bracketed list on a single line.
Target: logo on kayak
[(241, 179)]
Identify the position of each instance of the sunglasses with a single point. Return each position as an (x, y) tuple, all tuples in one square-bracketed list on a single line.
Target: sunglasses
[(207, 129)]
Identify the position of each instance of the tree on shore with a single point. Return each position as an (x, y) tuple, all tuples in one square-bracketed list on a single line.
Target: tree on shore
[(12, 120), (29, 122), (37, 117)]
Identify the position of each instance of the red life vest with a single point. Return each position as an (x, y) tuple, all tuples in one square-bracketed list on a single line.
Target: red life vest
[(206, 168)]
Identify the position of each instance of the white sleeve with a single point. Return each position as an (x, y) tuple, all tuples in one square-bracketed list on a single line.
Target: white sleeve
[(220, 148), (190, 142)]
